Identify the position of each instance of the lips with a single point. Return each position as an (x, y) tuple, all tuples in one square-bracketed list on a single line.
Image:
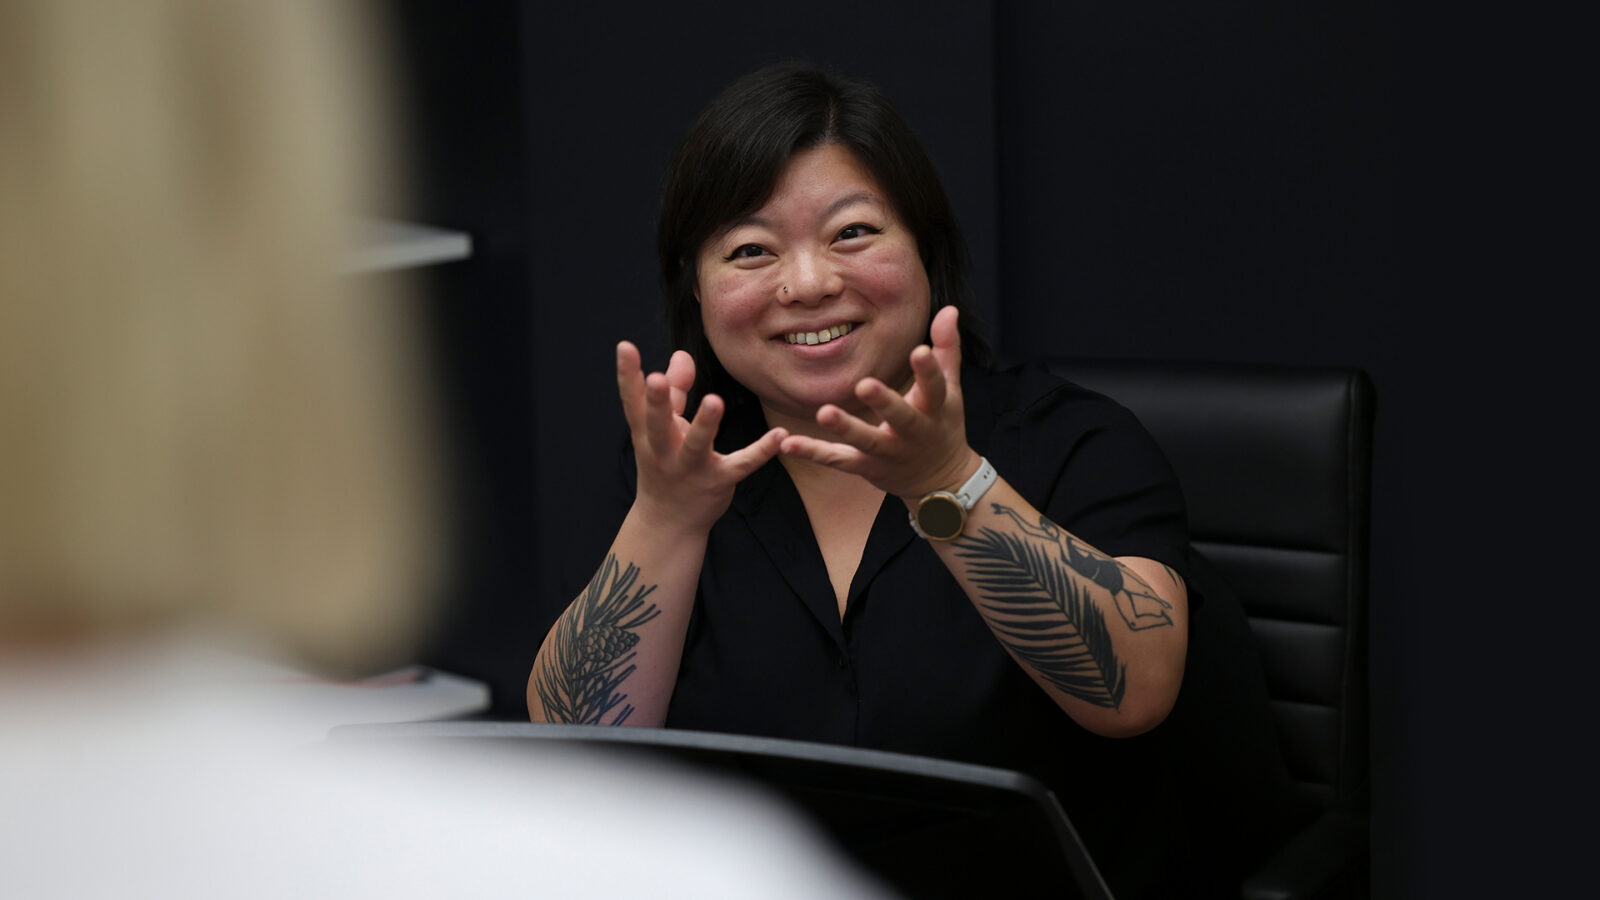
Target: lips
[(819, 337)]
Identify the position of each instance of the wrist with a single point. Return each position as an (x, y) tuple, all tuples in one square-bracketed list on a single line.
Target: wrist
[(942, 515), (950, 479), (668, 522)]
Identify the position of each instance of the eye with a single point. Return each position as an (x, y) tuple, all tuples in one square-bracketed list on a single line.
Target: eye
[(746, 251), (859, 229)]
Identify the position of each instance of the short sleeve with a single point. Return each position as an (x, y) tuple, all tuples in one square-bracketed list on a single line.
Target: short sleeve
[(1093, 469)]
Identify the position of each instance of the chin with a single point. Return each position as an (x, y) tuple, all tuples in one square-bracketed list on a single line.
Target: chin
[(806, 404)]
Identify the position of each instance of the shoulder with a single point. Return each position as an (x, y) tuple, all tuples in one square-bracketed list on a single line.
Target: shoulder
[(1031, 396), (1081, 458)]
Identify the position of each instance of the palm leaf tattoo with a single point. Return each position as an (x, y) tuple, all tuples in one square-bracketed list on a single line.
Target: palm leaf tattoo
[(592, 649), (1028, 587)]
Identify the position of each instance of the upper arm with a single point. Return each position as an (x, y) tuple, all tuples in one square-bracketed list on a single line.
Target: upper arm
[(1166, 614), (1096, 472)]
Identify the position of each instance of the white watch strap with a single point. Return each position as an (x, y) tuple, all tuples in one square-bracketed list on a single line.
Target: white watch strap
[(977, 485)]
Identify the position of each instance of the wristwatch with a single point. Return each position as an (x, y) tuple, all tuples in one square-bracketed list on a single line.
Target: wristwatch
[(941, 515)]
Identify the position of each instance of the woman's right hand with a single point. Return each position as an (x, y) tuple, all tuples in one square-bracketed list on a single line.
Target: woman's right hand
[(684, 483)]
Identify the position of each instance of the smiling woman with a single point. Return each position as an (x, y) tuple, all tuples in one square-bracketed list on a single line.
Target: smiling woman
[(729, 163), (822, 287), (762, 576)]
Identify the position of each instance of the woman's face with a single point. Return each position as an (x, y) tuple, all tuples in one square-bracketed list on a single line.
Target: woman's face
[(817, 289)]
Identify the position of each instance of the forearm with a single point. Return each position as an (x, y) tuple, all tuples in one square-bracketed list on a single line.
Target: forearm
[(1105, 638), (612, 657)]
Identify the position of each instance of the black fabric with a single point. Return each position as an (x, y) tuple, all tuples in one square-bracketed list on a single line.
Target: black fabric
[(911, 667), (1232, 780)]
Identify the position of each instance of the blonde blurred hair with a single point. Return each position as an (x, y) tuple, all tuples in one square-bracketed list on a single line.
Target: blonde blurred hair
[(200, 416)]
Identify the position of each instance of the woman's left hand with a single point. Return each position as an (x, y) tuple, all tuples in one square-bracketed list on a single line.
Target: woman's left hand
[(920, 444)]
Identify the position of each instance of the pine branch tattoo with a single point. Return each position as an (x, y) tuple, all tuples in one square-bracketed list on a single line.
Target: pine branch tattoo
[(592, 650)]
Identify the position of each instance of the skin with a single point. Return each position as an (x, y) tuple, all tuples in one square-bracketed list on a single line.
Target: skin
[(827, 249), (874, 412)]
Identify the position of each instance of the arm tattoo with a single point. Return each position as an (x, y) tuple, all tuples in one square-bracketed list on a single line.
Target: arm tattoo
[(1140, 609), (591, 652), (1173, 574), (1027, 579)]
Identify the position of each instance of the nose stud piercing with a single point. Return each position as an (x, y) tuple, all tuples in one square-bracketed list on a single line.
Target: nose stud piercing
[(786, 289)]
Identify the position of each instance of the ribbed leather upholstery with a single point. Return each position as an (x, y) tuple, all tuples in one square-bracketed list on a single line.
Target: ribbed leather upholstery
[(1275, 463)]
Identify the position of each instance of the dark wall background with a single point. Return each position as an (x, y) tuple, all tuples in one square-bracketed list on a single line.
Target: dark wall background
[(1147, 179), (544, 132)]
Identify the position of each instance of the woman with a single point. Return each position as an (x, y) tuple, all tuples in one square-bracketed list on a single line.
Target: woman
[(765, 579)]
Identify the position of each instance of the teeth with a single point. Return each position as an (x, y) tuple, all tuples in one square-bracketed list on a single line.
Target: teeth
[(818, 337)]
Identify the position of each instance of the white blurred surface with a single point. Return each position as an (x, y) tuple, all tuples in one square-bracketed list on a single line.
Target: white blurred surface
[(175, 770)]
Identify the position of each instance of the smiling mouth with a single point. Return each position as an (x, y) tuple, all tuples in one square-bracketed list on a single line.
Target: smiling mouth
[(818, 337)]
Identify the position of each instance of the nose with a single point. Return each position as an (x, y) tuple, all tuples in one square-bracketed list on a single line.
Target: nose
[(811, 279)]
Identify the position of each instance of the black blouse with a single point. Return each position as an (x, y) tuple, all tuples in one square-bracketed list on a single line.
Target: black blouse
[(912, 667)]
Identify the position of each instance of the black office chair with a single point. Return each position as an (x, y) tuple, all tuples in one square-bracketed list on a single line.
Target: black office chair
[(1275, 463)]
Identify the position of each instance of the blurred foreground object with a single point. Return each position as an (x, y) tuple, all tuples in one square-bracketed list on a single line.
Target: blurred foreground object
[(216, 458), (165, 770), (203, 417)]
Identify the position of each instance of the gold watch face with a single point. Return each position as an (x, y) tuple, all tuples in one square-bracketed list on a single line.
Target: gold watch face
[(941, 517)]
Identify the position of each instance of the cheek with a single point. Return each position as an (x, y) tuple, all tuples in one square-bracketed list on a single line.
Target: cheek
[(897, 277), (727, 303)]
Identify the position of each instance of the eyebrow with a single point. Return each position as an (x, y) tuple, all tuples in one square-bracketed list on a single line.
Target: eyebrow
[(849, 200), (834, 207)]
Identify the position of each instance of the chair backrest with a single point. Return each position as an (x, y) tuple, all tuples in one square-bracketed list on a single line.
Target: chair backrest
[(1275, 464)]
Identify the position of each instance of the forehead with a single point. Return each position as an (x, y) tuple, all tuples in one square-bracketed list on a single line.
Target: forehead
[(827, 169), (816, 182)]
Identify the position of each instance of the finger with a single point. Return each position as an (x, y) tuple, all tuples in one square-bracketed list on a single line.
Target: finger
[(680, 376), (703, 431), (745, 460), (658, 414), (890, 406), (829, 453), (848, 428), (946, 335), (630, 384), (930, 380)]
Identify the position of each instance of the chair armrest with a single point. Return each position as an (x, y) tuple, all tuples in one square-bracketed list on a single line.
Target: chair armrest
[(1319, 856)]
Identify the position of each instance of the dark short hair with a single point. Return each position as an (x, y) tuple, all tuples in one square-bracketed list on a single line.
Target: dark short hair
[(730, 159)]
